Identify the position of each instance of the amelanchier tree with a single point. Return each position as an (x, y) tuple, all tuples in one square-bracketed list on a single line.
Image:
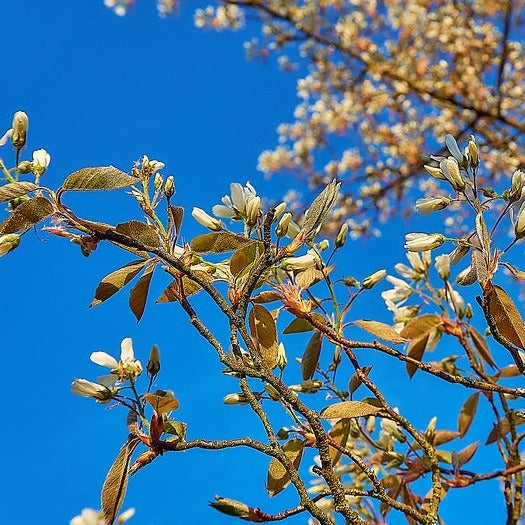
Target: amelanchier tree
[(382, 83), (264, 276)]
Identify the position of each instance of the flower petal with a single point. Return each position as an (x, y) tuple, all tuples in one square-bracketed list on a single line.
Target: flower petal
[(126, 350), (103, 359)]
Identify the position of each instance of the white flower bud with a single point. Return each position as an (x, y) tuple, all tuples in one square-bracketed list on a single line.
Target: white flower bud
[(431, 204), (282, 227), (450, 169), (302, 262), (373, 279), (85, 388), (519, 225), (8, 243), (253, 211), (235, 399), (473, 153), (443, 266), (206, 220), (421, 242), (153, 366), (169, 187), (518, 180), (341, 236), (435, 172), (279, 210), (324, 245), (20, 125), (281, 361)]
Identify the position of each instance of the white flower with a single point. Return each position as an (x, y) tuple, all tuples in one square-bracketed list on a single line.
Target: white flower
[(235, 206), (421, 242), (126, 368), (206, 220), (401, 291), (20, 125)]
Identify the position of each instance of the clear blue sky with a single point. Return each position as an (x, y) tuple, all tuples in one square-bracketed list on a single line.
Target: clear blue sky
[(102, 90)]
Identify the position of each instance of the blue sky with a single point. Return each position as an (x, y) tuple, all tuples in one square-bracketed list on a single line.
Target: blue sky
[(102, 90)]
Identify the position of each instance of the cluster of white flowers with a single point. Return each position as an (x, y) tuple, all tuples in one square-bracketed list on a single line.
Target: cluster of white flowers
[(222, 17), (95, 517)]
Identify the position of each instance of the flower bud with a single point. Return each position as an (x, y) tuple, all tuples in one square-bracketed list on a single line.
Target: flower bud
[(302, 262), (450, 169), (443, 266), (206, 220), (341, 236), (153, 365), (24, 167), (169, 187), (435, 172), (158, 181), (126, 516), (20, 125), (373, 279), (324, 245), (230, 507), (519, 225), (518, 180), (458, 253), (235, 399), (282, 227), (473, 152), (432, 204), (85, 388), (253, 211), (8, 243), (281, 361), (421, 242), (279, 210), (351, 282)]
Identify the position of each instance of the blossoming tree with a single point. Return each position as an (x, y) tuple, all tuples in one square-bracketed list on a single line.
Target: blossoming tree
[(266, 275), (381, 83)]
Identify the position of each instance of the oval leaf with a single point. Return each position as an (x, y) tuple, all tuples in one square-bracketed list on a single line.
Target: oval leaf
[(27, 215), (139, 293), (467, 413), (321, 206), (416, 350), (243, 258), (176, 289), (116, 482), (264, 333), (339, 433), (355, 381), (278, 477), (299, 325), (139, 231), (420, 326), (12, 190), (481, 346), (381, 330), (311, 355), (161, 404), (218, 242), (349, 409), (116, 280), (98, 178), (465, 455)]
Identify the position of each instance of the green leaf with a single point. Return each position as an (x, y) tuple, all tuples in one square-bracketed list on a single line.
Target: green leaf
[(12, 190), (381, 330), (139, 293), (467, 413), (218, 242), (244, 257), (278, 477), (311, 355), (299, 325), (115, 485), (349, 409), (98, 178), (116, 280), (140, 231), (264, 333), (175, 428), (27, 215)]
